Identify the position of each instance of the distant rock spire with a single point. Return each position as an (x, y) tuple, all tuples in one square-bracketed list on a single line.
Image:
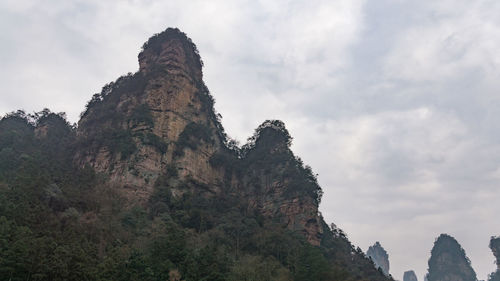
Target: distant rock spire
[(379, 257), (495, 248), (410, 276), (449, 262)]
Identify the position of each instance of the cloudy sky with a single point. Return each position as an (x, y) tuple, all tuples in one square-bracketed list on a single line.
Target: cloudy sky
[(392, 102)]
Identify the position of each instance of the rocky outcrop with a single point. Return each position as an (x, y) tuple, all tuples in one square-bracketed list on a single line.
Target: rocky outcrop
[(160, 117), (410, 276), (495, 248), (159, 124), (277, 183), (379, 257), (449, 262)]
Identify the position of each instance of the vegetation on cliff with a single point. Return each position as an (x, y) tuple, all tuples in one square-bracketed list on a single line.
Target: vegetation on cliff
[(60, 222), (61, 218), (449, 262)]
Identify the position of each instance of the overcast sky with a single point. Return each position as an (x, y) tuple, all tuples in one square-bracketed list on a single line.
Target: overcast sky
[(394, 103)]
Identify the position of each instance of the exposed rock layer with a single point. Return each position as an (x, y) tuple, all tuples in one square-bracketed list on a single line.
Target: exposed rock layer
[(160, 121)]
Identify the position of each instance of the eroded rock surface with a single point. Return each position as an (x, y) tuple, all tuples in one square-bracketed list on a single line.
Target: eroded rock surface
[(159, 124)]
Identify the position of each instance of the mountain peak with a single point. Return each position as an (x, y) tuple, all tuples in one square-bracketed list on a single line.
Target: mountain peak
[(173, 52), (270, 135), (449, 262)]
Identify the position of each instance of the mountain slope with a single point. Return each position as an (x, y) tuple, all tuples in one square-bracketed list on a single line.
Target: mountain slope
[(149, 187)]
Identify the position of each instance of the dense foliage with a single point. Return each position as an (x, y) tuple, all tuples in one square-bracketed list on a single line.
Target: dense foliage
[(191, 136), (268, 153), (60, 222)]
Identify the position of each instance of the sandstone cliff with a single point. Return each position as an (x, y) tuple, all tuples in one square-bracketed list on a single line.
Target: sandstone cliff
[(160, 117), (278, 184), (160, 122), (449, 262), (148, 184), (379, 257)]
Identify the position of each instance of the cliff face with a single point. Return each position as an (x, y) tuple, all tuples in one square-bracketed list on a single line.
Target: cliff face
[(160, 122), (157, 118), (410, 276), (379, 256), (277, 183), (449, 262)]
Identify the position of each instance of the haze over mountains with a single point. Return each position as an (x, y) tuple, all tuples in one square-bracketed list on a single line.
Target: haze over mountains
[(448, 261)]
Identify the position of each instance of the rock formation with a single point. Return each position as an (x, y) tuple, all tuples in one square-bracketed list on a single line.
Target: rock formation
[(448, 261), (410, 276), (161, 120), (148, 184), (495, 248), (162, 116), (379, 257)]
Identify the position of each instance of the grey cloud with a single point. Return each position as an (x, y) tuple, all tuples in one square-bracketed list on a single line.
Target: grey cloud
[(394, 103)]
